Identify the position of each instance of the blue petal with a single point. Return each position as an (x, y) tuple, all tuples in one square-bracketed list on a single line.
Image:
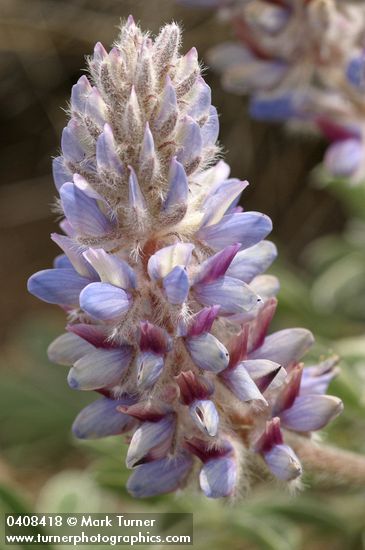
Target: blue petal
[(343, 158), (136, 198), (165, 259), (232, 295), (79, 94), (355, 72), (205, 416), (149, 368), (283, 462), (83, 212), (159, 477), (208, 352), (200, 100), (95, 108), (167, 111), (150, 436), (57, 286), (247, 228), (216, 204), (249, 263), (241, 384), (311, 412), (60, 173), (190, 139), (111, 268), (71, 147), (107, 157), (285, 346), (74, 254), (68, 348), (218, 477), (176, 285), (104, 301), (99, 369), (62, 262), (101, 419), (177, 195), (210, 130), (274, 108)]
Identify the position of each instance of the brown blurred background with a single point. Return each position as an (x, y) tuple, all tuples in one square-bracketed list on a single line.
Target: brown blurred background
[(43, 44)]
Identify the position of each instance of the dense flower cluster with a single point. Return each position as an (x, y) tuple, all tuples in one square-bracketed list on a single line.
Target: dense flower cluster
[(301, 60), (161, 279)]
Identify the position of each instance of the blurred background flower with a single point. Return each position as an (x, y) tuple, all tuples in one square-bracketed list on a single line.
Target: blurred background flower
[(42, 45)]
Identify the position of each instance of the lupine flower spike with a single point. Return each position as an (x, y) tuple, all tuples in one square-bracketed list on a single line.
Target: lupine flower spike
[(161, 278), (301, 61)]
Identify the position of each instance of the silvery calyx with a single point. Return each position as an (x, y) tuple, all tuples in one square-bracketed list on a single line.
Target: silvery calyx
[(161, 279)]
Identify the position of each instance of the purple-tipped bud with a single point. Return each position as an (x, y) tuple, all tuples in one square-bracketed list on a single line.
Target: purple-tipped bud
[(193, 387), (153, 339), (280, 458), (217, 265)]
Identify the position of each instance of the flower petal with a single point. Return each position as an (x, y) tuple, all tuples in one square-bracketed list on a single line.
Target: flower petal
[(177, 195), (247, 228), (161, 263), (311, 412), (285, 346), (99, 369), (83, 212), (216, 204), (241, 384), (111, 268), (232, 295), (150, 441), (205, 416), (343, 158), (252, 261), (101, 419), (217, 265), (149, 368), (176, 285), (160, 476), (208, 352), (107, 157), (74, 254), (218, 477), (57, 286), (68, 348), (283, 462), (61, 174), (104, 301)]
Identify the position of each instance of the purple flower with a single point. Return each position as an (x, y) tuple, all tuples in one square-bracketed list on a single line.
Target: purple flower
[(161, 279), (288, 59)]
